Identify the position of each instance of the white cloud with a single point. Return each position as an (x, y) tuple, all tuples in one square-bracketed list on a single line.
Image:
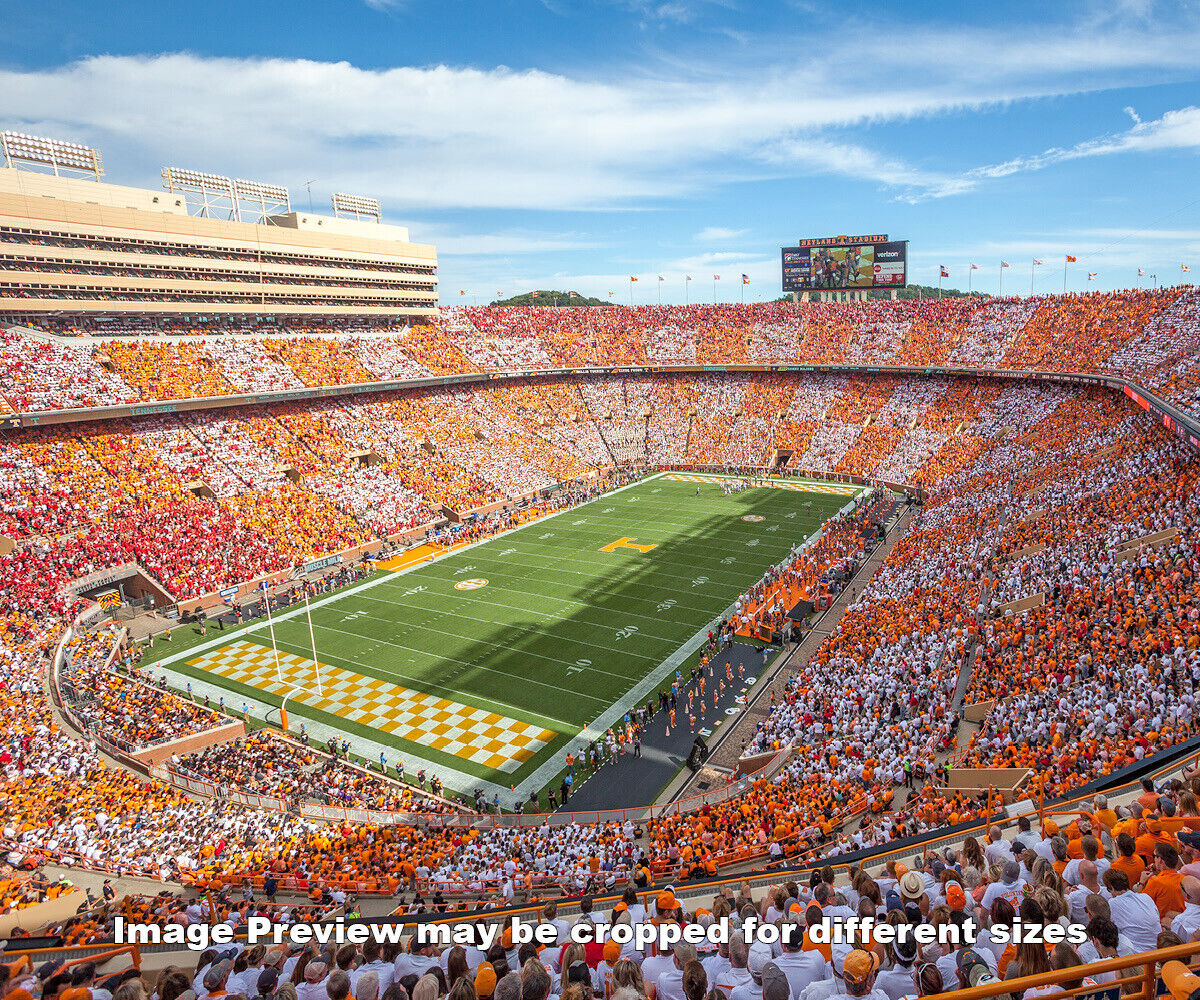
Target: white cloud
[(715, 234), (429, 137), (1178, 130)]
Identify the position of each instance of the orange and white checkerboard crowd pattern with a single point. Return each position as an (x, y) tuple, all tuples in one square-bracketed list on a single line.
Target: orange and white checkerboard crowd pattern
[(801, 486), (475, 734)]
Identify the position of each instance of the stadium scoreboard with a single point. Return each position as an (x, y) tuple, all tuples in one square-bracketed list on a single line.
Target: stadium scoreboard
[(845, 262)]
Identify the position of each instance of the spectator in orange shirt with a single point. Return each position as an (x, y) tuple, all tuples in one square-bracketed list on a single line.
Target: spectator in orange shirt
[(1165, 885), (1127, 860)]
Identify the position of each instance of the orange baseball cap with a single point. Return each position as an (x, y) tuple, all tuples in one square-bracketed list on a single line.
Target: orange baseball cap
[(859, 966), (666, 901), (612, 951), (1176, 976), (956, 899), (485, 979)]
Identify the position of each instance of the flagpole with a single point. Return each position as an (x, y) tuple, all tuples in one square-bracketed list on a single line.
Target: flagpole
[(631, 292), (312, 638), (1001, 295), (1064, 275), (685, 291), (1031, 266), (969, 277), (271, 629)]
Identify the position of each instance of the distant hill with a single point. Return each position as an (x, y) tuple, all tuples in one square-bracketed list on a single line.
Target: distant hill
[(550, 297)]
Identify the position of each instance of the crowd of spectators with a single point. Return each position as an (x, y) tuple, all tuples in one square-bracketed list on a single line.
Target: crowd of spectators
[(1143, 334), (1103, 672)]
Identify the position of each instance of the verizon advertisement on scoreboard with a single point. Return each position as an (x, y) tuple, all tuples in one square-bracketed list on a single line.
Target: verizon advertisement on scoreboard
[(862, 262)]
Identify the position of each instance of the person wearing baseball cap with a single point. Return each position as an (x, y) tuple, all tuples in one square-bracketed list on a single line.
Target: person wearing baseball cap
[(972, 969), (485, 980), (266, 983), (215, 979), (669, 985), (858, 975), (774, 983), (801, 967), (756, 962), (1180, 981), (603, 973)]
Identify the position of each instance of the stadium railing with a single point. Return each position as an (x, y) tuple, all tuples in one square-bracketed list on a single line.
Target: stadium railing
[(1184, 425), (1140, 970)]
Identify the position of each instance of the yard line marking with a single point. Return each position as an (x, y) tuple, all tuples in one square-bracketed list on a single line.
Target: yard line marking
[(467, 663), (496, 645), (545, 614)]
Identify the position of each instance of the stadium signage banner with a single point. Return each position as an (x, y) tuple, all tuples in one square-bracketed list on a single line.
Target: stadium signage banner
[(832, 241), (315, 564), (864, 263)]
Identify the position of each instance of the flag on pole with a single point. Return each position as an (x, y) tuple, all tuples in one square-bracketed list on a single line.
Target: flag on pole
[(462, 291), (687, 277), (1004, 263), (1184, 268), (535, 294), (1038, 263), (1070, 259), (716, 277), (745, 279), (611, 294), (1141, 273), (945, 273), (661, 278), (632, 278), (974, 267), (1092, 275)]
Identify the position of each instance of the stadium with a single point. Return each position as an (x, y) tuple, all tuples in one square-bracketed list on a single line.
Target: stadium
[(329, 604)]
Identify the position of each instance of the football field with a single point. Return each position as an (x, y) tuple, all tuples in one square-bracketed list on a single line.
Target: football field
[(481, 665)]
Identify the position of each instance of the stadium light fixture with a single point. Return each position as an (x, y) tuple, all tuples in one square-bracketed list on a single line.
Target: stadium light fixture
[(355, 206), (23, 151), (206, 195), (261, 200)]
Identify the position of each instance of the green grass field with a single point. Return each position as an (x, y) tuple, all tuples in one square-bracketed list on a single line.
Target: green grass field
[(488, 682)]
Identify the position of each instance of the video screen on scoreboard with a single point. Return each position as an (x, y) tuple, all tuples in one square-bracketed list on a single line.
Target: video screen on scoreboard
[(845, 265)]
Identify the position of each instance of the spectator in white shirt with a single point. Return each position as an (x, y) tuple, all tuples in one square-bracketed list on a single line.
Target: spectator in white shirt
[(1188, 922), (1135, 914), (670, 983)]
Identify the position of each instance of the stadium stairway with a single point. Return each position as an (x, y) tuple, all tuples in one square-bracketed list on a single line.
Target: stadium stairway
[(726, 751)]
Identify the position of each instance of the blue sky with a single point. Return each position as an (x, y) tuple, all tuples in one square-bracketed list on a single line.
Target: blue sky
[(572, 143)]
